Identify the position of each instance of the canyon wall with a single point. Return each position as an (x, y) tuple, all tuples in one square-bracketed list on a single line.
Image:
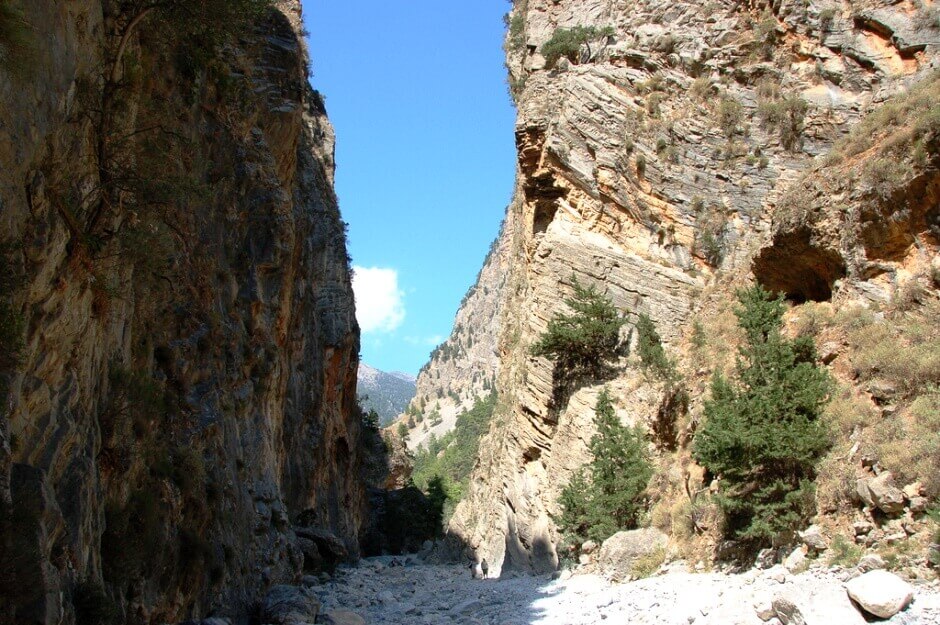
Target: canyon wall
[(681, 151), (180, 338)]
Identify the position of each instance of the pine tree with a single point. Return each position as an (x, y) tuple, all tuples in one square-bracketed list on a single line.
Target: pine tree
[(609, 496), (582, 341), (762, 435), (653, 358)]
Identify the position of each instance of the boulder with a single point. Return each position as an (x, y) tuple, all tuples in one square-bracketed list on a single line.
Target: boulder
[(880, 593), (882, 493), (589, 546), (341, 617), (813, 539), (816, 604), (327, 542), (796, 561), (618, 553), (788, 612), (289, 605), (870, 562)]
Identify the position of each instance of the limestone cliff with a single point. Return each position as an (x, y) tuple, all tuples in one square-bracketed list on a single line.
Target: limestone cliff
[(660, 159), (464, 367), (182, 347)]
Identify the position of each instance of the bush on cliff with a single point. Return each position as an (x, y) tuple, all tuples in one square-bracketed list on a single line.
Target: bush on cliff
[(762, 435), (567, 42), (608, 496), (581, 342)]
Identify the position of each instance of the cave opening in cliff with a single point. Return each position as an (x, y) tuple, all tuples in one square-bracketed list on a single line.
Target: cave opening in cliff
[(798, 269)]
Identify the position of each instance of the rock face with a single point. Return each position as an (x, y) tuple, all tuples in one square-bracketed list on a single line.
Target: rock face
[(650, 165), (464, 367), (880, 593), (186, 381)]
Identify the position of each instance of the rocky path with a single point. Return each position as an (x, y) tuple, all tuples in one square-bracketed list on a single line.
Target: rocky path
[(404, 590)]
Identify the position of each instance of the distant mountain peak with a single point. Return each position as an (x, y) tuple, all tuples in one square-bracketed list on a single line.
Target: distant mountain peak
[(388, 393)]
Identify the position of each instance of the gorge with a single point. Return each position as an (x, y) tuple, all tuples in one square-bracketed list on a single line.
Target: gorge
[(181, 439)]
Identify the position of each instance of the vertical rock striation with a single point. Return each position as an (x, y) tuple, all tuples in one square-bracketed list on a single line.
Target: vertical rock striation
[(185, 388)]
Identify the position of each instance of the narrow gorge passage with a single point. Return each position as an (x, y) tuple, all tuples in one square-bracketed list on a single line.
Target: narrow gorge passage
[(408, 591)]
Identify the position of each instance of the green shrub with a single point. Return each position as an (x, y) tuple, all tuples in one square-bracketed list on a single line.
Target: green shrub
[(609, 496), (786, 116), (762, 435), (653, 358), (640, 165), (583, 341), (451, 458), (730, 115), (843, 552), (883, 175), (649, 563), (710, 236), (567, 42)]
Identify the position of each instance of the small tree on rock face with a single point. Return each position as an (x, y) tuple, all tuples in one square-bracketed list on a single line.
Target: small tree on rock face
[(608, 497), (762, 435), (581, 342)]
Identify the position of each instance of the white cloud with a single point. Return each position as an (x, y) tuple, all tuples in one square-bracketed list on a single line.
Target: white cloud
[(380, 305)]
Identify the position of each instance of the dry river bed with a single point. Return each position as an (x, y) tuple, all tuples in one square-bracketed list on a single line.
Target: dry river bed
[(405, 590)]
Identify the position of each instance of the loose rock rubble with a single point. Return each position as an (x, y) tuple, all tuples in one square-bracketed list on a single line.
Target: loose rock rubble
[(391, 590)]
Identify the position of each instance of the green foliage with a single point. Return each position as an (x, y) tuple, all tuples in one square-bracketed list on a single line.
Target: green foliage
[(762, 435), (653, 358), (843, 552), (730, 115), (451, 457), (403, 431), (709, 242), (581, 342), (516, 27), (786, 115), (609, 496), (411, 517), (567, 42)]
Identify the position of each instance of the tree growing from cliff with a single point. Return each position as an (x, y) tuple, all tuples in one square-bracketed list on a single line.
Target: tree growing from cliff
[(607, 496), (567, 42), (581, 342), (649, 345), (762, 435)]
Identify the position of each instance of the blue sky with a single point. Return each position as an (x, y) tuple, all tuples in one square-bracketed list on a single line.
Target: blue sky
[(425, 157)]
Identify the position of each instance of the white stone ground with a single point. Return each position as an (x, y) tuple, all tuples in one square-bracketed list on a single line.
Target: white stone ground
[(421, 594)]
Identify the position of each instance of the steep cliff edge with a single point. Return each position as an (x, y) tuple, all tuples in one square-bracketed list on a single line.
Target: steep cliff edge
[(464, 367), (182, 347), (660, 159)]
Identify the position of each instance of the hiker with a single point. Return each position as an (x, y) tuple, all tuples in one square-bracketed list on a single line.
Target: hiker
[(485, 568)]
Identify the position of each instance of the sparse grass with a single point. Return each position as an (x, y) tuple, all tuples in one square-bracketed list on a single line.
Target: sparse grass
[(645, 565), (904, 352), (905, 120), (883, 175), (843, 552), (786, 115), (729, 115)]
